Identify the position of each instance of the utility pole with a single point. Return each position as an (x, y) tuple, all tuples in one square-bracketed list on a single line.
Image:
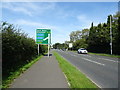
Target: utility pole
[(110, 36)]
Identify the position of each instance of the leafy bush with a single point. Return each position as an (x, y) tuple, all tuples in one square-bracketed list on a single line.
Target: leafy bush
[(17, 48)]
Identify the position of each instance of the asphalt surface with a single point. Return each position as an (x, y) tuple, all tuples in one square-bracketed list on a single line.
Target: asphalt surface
[(45, 73), (102, 70)]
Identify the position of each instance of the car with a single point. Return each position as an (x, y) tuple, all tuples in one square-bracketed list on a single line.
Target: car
[(82, 51)]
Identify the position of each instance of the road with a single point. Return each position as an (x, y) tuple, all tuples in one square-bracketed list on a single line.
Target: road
[(102, 70)]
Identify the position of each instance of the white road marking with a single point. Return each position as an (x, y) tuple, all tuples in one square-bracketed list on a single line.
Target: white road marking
[(82, 72), (86, 55), (73, 55), (99, 58), (93, 61), (108, 59), (83, 55), (89, 56), (67, 79)]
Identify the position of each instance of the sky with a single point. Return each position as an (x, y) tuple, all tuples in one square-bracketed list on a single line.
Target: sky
[(61, 17)]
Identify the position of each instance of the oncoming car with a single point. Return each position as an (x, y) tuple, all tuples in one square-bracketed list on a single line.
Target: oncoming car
[(82, 51)]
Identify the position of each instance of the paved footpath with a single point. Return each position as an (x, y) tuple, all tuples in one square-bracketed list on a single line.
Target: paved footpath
[(45, 73)]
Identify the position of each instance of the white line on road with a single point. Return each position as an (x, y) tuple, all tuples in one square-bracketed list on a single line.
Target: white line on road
[(67, 79), (108, 59), (93, 61), (83, 55), (88, 56), (72, 55)]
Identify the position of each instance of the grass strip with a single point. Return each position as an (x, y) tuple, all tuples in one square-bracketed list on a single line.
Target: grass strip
[(74, 76), (6, 83), (102, 54)]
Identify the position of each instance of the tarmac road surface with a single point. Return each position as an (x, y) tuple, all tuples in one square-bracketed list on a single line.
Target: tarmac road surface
[(102, 70)]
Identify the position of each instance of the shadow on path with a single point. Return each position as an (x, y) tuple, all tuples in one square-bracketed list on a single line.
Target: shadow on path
[(47, 54)]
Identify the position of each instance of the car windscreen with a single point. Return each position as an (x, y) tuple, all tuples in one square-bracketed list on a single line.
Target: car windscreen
[(82, 49)]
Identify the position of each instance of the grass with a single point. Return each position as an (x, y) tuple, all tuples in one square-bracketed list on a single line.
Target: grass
[(102, 54), (6, 83), (74, 76)]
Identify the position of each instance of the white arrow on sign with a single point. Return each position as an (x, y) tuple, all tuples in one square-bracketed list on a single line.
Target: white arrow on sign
[(45, 38)]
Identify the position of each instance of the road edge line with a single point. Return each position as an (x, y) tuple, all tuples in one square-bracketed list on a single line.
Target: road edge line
[(67, 79)]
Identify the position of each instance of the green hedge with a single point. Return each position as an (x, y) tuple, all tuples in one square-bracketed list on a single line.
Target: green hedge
[(17, 49)]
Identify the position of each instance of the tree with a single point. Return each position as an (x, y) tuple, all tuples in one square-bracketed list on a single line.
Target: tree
[(85, 33), (75, 35), (81, 43), (78, 38), (56, 46), (116, 33), (92, 38), (97, 38), (60, 46)]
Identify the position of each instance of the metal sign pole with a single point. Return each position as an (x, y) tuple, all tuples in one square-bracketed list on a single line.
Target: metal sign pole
[(48, 44), (38, 49)]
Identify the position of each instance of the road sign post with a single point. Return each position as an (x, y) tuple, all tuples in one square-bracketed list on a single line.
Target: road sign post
[(48, 44), (43, 37), (38, 49)]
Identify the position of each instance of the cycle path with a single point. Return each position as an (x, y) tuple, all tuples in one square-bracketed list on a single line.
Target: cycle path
[(45, 73)]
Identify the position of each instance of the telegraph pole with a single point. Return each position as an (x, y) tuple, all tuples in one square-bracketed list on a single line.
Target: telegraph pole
[(110, 36)]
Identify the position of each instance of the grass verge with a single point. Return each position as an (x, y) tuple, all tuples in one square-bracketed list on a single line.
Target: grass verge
[(102, 54), (6, 83), (74, 76)]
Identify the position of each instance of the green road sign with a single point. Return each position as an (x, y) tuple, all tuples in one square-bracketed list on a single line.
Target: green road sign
[(42, 36)]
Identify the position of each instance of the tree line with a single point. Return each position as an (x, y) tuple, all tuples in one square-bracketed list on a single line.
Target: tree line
[(17, 48), (62, 46), (97, 38)]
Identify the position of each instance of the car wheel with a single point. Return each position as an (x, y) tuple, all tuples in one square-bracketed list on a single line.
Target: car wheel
[(80, 52)]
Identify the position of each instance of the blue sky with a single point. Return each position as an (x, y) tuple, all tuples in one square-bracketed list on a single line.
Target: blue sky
[(61, 17)]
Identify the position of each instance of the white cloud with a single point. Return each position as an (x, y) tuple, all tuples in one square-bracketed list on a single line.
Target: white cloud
[(36, 9), (15, 8), (28, 8), (58, 34), (83, 18), (85, 21), (61, 38), (34, 24)]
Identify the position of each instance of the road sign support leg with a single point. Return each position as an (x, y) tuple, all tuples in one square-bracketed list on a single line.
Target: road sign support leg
[(48, 44), (38, 49)]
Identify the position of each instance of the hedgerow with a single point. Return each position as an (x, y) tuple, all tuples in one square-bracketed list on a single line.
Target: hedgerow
[(17, 49)]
